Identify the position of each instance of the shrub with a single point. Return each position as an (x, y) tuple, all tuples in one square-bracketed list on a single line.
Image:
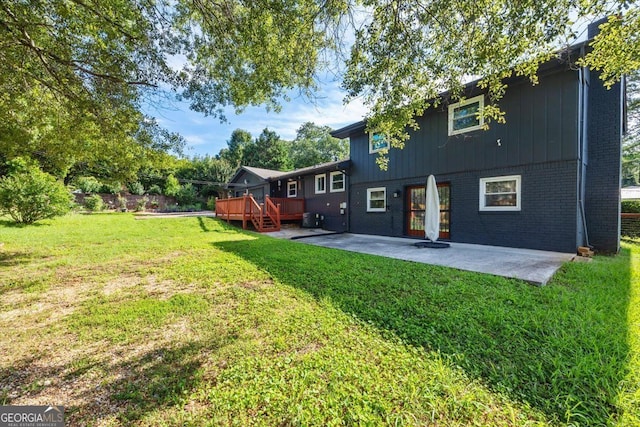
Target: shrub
[(136, 188), (631, 206), (122, 203), (211, 204), (111, 188), (88, 184), (172, 186), (187, 195), (27, 194), (154, 204), (94, 203), (155, 190), (209, 191), (141, 204)]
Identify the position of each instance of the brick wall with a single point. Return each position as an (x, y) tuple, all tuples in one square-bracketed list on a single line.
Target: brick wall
[(111, 201), (547, 219), (604, 139)]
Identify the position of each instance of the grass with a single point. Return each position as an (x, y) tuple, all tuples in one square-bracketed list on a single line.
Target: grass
[(187, 321)]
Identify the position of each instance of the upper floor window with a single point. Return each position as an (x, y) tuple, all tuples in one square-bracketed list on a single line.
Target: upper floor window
[(321, 184), (377, 142), (337, 182), (292, 189), (501, 193), (465, 116)]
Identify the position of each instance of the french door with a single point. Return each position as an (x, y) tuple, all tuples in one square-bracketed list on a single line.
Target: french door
[(416, 204)]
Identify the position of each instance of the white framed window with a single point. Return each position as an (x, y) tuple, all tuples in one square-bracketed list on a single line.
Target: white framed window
[(376, 199), (292, 189), (377, 142), (321, 184), (337, 182), (465, 116), (500, 193)]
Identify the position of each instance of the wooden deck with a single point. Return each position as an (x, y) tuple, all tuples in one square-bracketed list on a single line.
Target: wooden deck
[(265, 217)]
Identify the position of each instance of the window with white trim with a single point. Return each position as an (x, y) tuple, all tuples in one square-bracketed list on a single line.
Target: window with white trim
[(501, 193), (337, 182), (377, 142), (377, 199), (321, 184), (465, 116), (292, 189)]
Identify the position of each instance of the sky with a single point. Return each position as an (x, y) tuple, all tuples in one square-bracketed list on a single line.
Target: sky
[(206, 135)]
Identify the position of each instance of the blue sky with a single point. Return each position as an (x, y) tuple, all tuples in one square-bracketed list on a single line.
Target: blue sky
[(206, 135)]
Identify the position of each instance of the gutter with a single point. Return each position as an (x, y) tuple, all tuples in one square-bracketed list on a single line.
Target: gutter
[(582, 149)]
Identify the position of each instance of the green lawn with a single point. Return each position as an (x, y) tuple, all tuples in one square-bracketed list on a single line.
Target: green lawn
[(187, 321)]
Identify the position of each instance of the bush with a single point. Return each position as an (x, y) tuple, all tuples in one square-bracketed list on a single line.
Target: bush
[(209, 191), (155, 190), (122, 203), (94, 203), (141, 204), (27, 194), (136, 188), (88, 184), (111, 188), (211, 204), (172, 186), (631, 206), (187, 195)]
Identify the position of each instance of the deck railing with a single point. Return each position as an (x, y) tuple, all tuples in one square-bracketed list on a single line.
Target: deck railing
[(246, 209), (289, 208), (272, 210)]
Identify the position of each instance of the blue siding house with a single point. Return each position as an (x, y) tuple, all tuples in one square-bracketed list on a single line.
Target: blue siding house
[(549, 178)]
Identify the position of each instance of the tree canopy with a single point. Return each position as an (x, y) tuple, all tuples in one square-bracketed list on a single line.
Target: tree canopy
[(268, 151), (79, 70), (314, 145)]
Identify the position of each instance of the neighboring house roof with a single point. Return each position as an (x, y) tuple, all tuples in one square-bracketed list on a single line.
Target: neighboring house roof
[(627, 193)]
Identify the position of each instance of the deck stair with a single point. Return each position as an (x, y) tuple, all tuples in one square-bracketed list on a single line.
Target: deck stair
[(264, 217)]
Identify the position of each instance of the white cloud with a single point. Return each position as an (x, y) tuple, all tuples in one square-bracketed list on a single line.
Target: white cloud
[(195, 139)]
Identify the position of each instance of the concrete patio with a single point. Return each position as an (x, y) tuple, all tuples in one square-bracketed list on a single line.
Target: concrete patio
[(533, 266)]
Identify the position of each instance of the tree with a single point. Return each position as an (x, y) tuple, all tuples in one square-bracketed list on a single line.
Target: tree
[(27, 194), (73, 74), (235, 147), (211, 173), (314, 145), (98, 52), (631, 141), (172, 186), (268, 151)]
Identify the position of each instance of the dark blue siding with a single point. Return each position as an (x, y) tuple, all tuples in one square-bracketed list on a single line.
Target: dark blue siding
[(541, 127), (326, 204), (602, 200)]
